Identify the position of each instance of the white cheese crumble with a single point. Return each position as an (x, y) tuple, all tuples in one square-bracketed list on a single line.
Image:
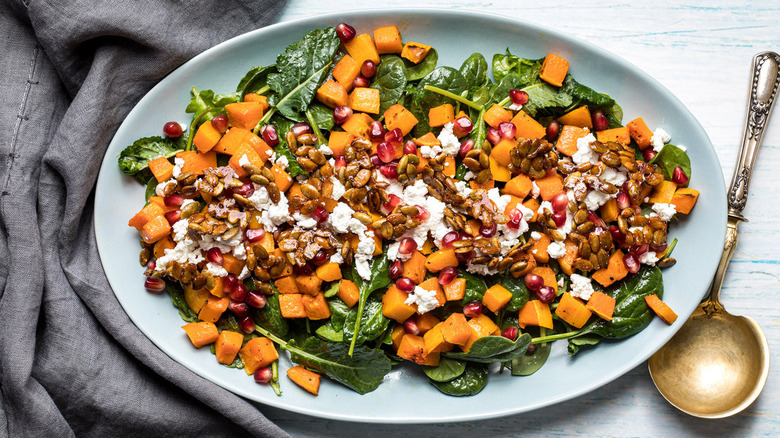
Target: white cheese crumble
[(393, 254), (584, 153), (178, 165), (185, 251), (581, 287), (535, 191), (326, 150), (430, 151), (338, 188), (469, 176), (159, 190), (515, 106), (243, 161), (244, 273), (216, 270), (336, 258), (364, 254), (450, 144), (665, 211), (415, 194), (271, 214), (303, 221), (479, 269), (282, 162), (595, 199), (536, 235), (613, 177), (659, 139), (649, 258), (424, 298), (556, 250), (463, 188), (500, 201)]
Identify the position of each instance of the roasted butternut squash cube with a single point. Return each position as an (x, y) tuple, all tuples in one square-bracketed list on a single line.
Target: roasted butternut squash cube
[(455, 329), (496, 297), (573, 311), (388, 40), (415, 52), (227, 346), (332, 94), (394, 306), (316, 307), (537, 313), (201, 333), (291, 305), (434, 340), (257, 353)]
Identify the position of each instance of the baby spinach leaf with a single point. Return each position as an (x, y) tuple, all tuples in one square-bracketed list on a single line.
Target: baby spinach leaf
[(576, 343), (520, 292), (338, 313), (526, 69), (380, 278), (137, 156), (255, 81), (372, 323), (177, 298), (528, 364), (489, 349), (447, 370), (390, 80), (546, 100), (475, 287), (322, 115), (329, 333), (270, 317), (501, 90), (206, 99), (670, 157), (445, 78), (151, 187), (584, 95), (300, 69), (469, 383), (415, 72), (474, 70), (332, 290)]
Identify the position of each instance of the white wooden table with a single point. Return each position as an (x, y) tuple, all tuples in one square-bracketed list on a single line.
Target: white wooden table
[(700, 50)]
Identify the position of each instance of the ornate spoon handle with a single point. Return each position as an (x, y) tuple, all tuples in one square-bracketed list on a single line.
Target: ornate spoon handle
[(764, 85)]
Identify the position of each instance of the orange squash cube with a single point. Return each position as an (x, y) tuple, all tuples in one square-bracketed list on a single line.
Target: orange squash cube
[(616, 270), (455, 290), (434, 340), (244, 114), (567, 140), (149, 212), (338, 141), (361, 48), (348, 292), (364, 99), (579, 117), (415, 52), (414, 268), (549, 186), (308, 284), (388, 40), (573, 311), (426, 322), (201, 333), (661, 309), (308, 380), (519, 186), (156, 229), (412, 348), (537, 313), (441, 115), (161, 168), (213, 309), (496, 297), (640, 133), (455, 329), (432, 285), (346, 71), (227, 346), (441, 259), (196, 298), (618, 135), (527, 127), (358, 124), (206, 137), (399, 117), (316, 307), (394, 306), (497, 115), (332, 94), (684, 199), (554, 69), (291, 305), (602, 305), (257, 353)]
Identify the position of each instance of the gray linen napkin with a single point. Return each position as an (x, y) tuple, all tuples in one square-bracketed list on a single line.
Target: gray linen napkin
[(71, 362)]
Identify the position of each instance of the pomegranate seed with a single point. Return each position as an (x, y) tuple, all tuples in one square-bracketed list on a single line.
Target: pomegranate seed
[(466, 147), (515, 215), (513, 225), (462, 126), (376, 131), (385, 151), (531, 349), (246, 324), (341, 114), (472, 309), (263, 375), (533, 281), (493, 136), (389, 171), (395, 135), (252, 235), (239, 293), (661, 247), (449, 239), (375, 161), (151, 265), (679, 177), (648, 154), (220, 123), (546, 294), (320, 258), (507, 130), (447, 275), (256, 299), (301, 128), (597, 220), (270, 136), (560, 202), (405, 284), (173, 200), (304, 270), (396, 270), (172, 129), (245, 190), (173, 216), (368, 69), (410, 327), (552, 130), (638, 250), (465, 257), (229, 283), (623, 201), (361, 82), (617, 236), (599, 121), (320, 215), (392, 203), (464, 236), (345, 32), (154, 285), (239, 309), (410, 148), (407, 246), (341, 161), (631, 264), (560, 219), (519, 97), (214, 255), (488, 232), (510, 333), (424, 215)]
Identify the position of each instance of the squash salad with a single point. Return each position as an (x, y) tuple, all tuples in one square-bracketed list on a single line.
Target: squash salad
[(367, 208)]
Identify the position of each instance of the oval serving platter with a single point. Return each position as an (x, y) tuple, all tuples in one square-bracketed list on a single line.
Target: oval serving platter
[(405, 396)]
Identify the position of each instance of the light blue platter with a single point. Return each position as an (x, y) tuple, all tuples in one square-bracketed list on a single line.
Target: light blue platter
[(405, 396)]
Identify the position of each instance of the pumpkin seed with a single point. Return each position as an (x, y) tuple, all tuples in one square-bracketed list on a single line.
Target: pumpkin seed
[(666, 263)]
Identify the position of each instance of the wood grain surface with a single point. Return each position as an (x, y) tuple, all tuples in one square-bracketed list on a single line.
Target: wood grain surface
[(701, 51)]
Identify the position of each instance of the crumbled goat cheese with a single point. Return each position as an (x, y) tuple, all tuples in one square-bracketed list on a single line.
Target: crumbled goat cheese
[(469, 176), (450, 144), (535, 191), (336, 258), (326, 150), (595, 199), (659, 139), (479, 269), (536, 235), (243, 161), (416, 194), (649, 258), (216, 270), (613, 177), (393, 186), (515, 106), (282, 162), (271, 214), (305, 222), (185, 251), (430, 151), (364, 254), (245, 272), (500, 201), (556, 250), (507, 237), (584, 153), (665, 211), (338, 188), (581, 287), (178, 165), (160, 189), (424, 298), (342, 221)]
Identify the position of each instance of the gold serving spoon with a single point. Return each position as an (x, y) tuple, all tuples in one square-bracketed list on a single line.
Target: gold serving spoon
[(717, 364)]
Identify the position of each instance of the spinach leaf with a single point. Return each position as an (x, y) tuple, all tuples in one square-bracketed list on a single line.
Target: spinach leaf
[(255, 81), (332, 290), (322, 115), (361, 370), (328, 333), (576, 343), (338, 313), (445, 78), (283, 125), (530, 363), (447, 370), (546, 100), (151, 187), (489, 349), (670, 157), (207, 100), (380, 278), (520, 292), (136, 157), (584, 95), (300, 69), (270, 316), (475, 287), (501, 90), (526, 69), (177, 298), (415, 72), (372, 322), (390, 80), (474, 70), (469, 383)]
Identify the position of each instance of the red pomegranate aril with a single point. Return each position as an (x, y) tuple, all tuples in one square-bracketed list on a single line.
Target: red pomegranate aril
[(301, 128), (472, 309), (214, 255), (462, 126), (389, 171), (493, 136), (597, 220), (385, 151), (392, 203), (466, 147), (510, 333), (151, 264), (376, 131), (648, 154), (599, 120), (411, 327), (424, 215), (256, 299), (623, 201), (447, 275), (660, 248), (341, 161), (507, 130), (617, 236), (263, 375), (513, 225), (229, 283), (173, 200), (410, 147), (515, 215), (638, 250), (172, 129), (239, 309), (465, 257), (679, 177), (533, 281), (239, 293), (405, 284), (345, 32), (395, 270), (407, 246), (518, 97), (546, 294), (252, 235), (173, 216), (220, 123), (320, 215), (368, 69), (375, 161), (246, 324), (488, 232), (395, 135), (320, 258), (361, 82), (531, 349), (154, 285), (341, 114), (449, 239), (246, 190), (552, 130), (631, 263), (270, 136), (560, 219), (560, 202)]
